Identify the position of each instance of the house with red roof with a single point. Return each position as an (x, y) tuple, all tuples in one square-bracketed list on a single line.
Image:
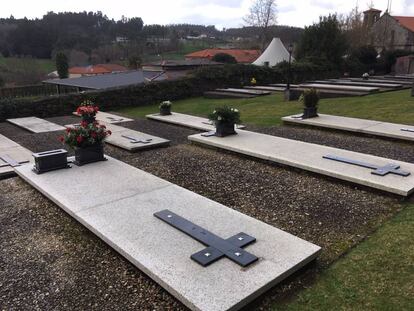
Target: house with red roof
[(388, 31), (241, 56)]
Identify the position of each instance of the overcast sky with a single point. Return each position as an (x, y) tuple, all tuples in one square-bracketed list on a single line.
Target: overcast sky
[(222, 13)]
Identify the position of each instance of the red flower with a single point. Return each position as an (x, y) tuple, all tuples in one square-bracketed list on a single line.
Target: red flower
[(68, 130), (109, 133), (84, 124), (93, 134), (62, 139), (96, 108), (79, 139)]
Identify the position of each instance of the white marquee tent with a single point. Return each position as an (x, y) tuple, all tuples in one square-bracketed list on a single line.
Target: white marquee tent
[(274, 54)]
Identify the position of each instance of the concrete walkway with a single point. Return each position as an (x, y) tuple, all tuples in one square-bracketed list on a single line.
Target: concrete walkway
[(377, 128), (119, 207), (309, 157)]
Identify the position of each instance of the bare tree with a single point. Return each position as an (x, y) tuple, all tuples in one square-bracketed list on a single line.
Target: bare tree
[(262, 14)]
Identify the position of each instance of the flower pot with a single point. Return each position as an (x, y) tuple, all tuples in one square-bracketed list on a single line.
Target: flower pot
[(165, 111), (310, 112), (89, 154), (88, 119), (225, 129)]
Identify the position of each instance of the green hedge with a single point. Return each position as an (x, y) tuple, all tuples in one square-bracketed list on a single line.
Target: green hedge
[(202, 80)]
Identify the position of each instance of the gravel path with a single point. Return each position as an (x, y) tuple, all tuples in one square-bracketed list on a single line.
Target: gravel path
[(50, 261)]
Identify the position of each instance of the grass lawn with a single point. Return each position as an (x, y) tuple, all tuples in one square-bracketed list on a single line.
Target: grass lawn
[(376, 275), (397, 107)]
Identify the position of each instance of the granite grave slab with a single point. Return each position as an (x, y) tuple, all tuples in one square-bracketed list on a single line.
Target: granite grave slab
[(187, 120), (372, 127), (36, 125), (10, 153), (109, 117), (119, 207), (340, 87), (310, 157)]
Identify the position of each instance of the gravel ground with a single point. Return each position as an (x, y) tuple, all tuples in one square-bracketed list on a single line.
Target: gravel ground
[(49, 261)]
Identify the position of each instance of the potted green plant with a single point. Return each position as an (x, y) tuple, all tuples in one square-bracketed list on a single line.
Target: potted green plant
[(87, 111), (165, 108), (225, 119), (87, 141), (310, 99)]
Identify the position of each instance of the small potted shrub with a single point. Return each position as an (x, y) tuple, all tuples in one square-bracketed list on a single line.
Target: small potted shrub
[(253, 81), (165, 108), (225, 119), (310, 98), (87, 111), (87, 141)]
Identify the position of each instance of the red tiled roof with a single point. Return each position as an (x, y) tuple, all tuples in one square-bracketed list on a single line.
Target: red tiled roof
[(97, 69), (406, 21), (242, 56)]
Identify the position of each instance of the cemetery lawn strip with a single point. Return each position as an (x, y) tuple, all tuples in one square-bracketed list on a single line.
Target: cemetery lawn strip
[(393, 107), (376, 275)]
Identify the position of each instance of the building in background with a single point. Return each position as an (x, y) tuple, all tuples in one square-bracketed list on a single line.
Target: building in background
[(389, 32)]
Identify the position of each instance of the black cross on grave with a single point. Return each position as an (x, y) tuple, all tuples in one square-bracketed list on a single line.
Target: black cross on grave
[(115, 119), (134, 140), (407, 130), (217, 247), (10, 161), (390, 168)]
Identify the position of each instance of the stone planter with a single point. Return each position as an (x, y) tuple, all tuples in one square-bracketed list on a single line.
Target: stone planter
[(88, 119), (165, 111), (310, 112), (89, 154), (225, 129), (50, 160)]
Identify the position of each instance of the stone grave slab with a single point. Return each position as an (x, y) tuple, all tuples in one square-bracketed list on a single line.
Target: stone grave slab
[(361, 83), (244, 91), (405, 83), (187, 120), (36, 125), (339, 87), (130, 140), (109, 117), (309, 157), (377, 128), (266, 88), (11, 150), (119, 207)]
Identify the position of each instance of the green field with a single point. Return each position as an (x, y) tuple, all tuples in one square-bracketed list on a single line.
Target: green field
[(397, 107), (378, 274)]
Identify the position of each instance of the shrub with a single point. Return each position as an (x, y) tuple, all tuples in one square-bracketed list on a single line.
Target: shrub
[(62, 65), (165, 104), (225, 114), (310, 98), (224, 58), (87, 134)]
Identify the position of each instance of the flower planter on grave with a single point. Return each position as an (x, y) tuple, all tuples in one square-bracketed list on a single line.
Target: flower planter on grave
[(225, 129), (310, 112), (89, 154), (165, 111), (88, 119), (50, 160)]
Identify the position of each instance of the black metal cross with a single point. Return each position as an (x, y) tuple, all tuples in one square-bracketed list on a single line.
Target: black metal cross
[(10, 161), (134, 140), (377, 169), (115, 119), (407, 130), (216, 246)]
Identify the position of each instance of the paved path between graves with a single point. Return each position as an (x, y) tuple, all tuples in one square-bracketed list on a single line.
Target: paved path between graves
[(309, 157), (11, 149), (186, 120), (117, 201), (36, 125), (377, 128)]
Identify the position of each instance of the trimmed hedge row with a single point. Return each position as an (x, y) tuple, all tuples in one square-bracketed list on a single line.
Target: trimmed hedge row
[(204, 79)]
